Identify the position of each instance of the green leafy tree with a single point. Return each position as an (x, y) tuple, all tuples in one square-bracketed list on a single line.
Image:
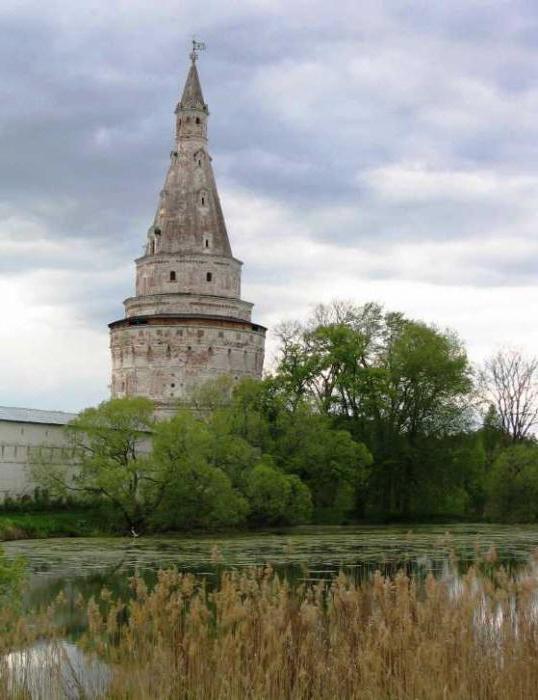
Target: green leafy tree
[(277, 498), (198, 494), (397, 385), (109, 447), (260, 421), (494, 437), (512, 487), (326, 459)]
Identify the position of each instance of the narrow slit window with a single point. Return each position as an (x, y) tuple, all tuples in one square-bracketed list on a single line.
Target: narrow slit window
[(172, 276), (203, 201), (209, 276), (207, 242)]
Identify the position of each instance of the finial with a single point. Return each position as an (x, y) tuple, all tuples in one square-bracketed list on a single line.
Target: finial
[(196, 46)]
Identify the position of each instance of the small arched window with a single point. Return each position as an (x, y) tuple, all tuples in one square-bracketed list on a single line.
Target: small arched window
[(197, 120), (203, 201), (172, 276), (209, 276)]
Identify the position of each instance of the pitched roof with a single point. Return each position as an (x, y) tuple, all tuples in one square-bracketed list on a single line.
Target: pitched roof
[(35, 415)]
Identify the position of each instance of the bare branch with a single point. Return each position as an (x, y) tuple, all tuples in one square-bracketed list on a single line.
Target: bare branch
[(509, 382)]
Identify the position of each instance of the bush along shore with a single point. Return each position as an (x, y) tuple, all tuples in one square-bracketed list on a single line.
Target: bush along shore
[(41, 525), (252, 635)]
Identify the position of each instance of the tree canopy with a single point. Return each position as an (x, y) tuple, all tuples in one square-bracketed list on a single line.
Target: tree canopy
[(367, 414)]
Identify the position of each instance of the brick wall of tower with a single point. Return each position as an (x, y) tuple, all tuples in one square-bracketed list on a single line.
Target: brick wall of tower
[(165, 360)]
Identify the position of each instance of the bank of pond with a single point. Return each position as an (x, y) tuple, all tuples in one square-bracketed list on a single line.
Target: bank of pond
[(414, 611)]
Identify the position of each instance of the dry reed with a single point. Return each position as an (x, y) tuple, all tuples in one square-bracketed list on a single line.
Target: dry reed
[(255, 636)]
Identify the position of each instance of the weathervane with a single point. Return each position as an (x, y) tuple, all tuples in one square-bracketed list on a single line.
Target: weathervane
[(196, 46)]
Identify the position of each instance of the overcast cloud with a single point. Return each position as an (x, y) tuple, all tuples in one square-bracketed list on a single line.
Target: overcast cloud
[(381, 151)]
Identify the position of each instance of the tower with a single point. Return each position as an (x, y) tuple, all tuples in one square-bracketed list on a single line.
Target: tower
[(187, 322)]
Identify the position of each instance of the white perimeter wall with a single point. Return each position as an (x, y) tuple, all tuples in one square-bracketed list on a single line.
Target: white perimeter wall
[(18, 442)]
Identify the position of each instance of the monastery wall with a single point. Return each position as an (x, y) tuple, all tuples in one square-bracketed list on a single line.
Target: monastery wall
[(20, 443)]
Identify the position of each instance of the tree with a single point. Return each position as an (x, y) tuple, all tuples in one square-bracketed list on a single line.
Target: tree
[(260, 422), (197, 494), (397, 385), (494, 438), (325, 458), (277, 498), (508, 381), (110, 447), (512, 486)]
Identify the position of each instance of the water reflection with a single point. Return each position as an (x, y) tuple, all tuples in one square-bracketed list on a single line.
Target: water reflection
[(50, 670)]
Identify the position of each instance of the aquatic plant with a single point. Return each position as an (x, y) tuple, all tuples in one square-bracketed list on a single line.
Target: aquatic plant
[(255, 636)]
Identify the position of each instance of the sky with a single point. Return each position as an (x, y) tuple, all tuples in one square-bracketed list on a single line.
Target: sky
[(366, 151)]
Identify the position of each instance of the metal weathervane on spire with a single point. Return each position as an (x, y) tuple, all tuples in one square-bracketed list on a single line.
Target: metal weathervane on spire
[(196, 47)]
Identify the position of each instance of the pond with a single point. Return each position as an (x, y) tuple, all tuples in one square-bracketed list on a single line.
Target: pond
[(83, 566)]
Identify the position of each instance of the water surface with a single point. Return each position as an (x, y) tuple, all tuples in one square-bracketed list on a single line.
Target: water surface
[(84, 565)]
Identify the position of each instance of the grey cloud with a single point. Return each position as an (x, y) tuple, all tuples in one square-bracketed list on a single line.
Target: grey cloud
[(307, 100)]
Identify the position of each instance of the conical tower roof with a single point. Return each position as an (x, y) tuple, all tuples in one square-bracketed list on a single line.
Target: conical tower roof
[(189, 216), (192, 96)]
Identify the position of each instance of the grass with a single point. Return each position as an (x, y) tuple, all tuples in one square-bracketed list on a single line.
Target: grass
[(17, 526), (254, 636)]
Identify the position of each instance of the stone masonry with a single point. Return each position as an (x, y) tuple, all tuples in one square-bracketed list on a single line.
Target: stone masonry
[(187, 322)]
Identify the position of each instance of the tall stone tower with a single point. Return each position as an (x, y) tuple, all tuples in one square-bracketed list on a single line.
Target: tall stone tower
[(187, 322)]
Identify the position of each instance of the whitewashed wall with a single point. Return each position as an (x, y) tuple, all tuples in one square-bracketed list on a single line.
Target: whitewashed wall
[(18, 442)]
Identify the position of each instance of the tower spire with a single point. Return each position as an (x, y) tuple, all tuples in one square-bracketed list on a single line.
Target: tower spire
[(192, 97)]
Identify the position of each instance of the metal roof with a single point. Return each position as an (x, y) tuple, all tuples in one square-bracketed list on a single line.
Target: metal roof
[(35, 415)]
